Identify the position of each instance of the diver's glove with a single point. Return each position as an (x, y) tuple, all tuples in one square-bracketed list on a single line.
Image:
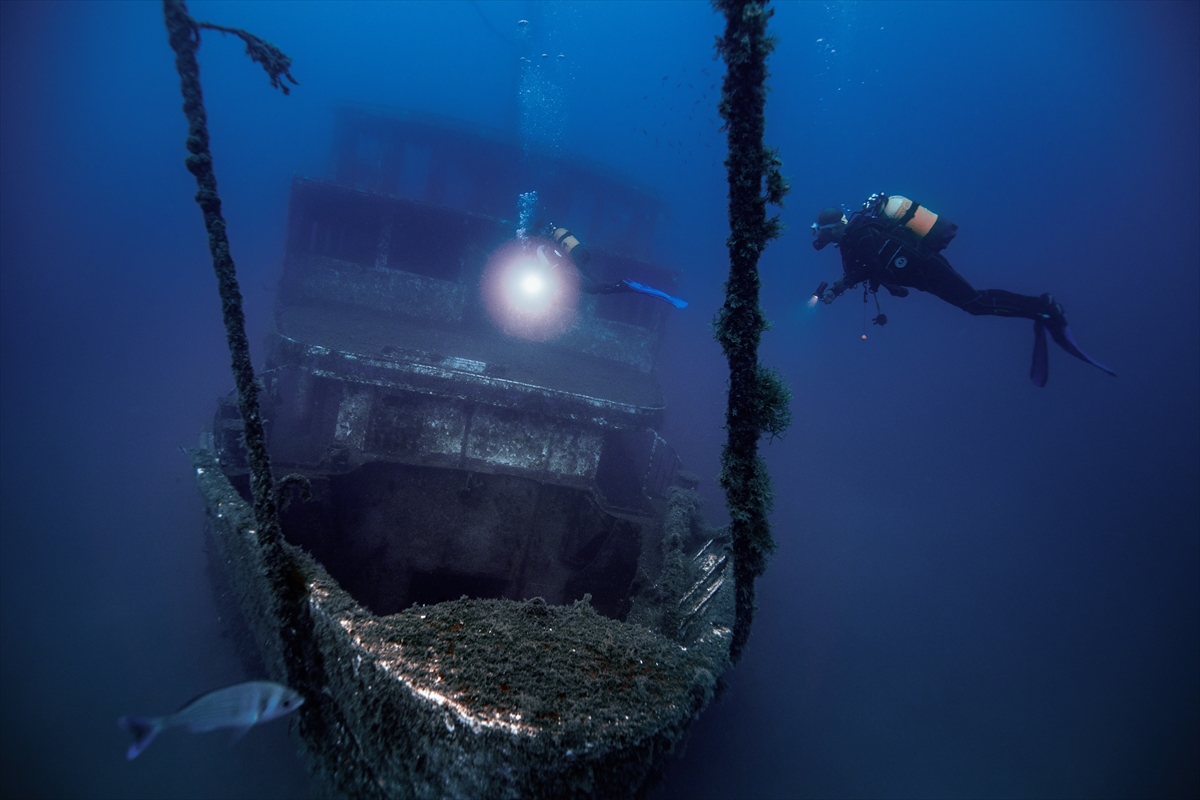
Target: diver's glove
[(834, 292)]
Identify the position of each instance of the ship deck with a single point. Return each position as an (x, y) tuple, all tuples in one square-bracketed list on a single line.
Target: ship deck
[(482, 353)]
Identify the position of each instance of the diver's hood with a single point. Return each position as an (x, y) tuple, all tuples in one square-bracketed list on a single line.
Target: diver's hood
[(829, 227), (826, 236)]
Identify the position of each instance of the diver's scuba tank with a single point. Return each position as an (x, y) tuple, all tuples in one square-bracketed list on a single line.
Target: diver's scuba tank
[(932, 231), (569, 244)]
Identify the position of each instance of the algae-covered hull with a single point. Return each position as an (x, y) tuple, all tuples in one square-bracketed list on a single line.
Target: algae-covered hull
[(510, 590), (486, 698)]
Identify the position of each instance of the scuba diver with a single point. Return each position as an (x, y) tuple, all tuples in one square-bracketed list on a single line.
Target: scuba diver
[(568, 244), (896, 243)]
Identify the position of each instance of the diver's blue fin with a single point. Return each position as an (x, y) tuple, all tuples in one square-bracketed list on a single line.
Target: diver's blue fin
[(1062, 335), (1040, 371), (661, 295)]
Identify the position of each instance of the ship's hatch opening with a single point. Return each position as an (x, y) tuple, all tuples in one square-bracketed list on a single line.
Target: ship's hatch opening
[(395, 535), (428, 588)]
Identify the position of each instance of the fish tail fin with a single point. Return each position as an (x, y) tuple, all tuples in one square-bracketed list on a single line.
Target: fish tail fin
[(144, 729)]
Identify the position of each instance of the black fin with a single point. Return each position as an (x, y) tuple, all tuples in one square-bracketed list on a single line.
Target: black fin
[(1039, 372), (1062, 335)]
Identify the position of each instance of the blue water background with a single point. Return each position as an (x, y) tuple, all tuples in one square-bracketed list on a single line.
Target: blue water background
[(982, 589)]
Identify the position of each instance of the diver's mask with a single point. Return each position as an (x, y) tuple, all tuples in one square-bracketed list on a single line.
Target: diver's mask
[(825, 232)]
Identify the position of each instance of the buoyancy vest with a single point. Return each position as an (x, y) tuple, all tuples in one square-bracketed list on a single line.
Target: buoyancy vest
[(891, 232)]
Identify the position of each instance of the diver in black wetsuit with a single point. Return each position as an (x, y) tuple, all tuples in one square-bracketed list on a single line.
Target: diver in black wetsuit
[(895, 243), (580, 255)]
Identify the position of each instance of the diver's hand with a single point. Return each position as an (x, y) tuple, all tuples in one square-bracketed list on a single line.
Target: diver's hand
[(834, 292)]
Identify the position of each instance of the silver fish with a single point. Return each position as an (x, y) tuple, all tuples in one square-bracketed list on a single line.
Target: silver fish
[(241, 706)]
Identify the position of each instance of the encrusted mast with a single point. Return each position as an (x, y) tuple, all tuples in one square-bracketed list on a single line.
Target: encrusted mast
[(296, 661), (184, 36), (758, 398)]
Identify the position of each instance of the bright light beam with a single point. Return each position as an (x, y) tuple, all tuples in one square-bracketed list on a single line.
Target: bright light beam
[(532, 283), (528, 294)]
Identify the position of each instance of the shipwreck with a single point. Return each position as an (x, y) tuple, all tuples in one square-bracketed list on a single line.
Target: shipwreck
[(511, 587)]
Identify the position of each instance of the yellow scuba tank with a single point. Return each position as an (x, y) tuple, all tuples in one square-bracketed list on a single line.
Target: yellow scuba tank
[(921, 220), (933, 232), (570, 245)]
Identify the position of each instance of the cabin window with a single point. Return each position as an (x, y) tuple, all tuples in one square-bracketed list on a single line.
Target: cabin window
[(353, 238), (427, 241), (368, 162), (458, 188), (414, 171), (370, 152)]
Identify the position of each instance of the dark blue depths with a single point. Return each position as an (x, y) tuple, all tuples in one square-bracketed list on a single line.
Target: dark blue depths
[(982, 588)]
